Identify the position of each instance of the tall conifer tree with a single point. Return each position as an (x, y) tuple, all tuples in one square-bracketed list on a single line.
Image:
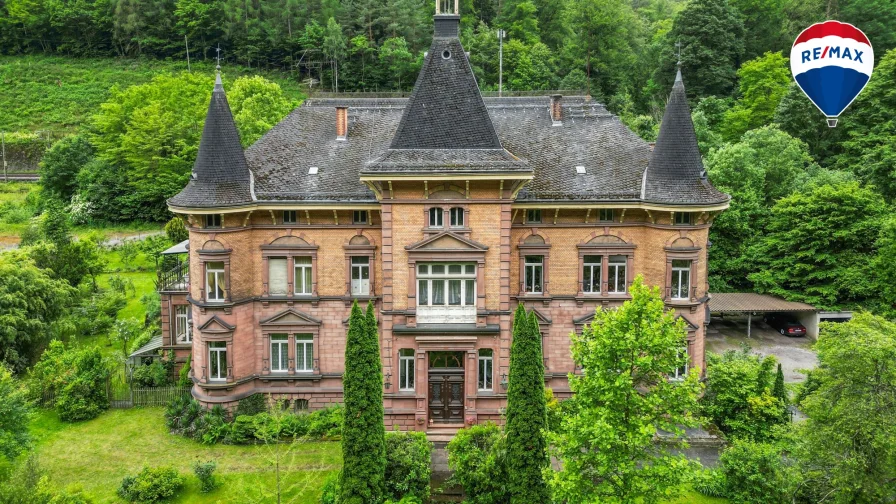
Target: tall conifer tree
[(526, 413), (363, 433)]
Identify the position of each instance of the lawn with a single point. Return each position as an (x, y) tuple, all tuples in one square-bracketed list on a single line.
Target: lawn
[(98, 453)]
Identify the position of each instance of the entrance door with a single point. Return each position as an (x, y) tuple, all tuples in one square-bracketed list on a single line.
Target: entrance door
[(446, 387)]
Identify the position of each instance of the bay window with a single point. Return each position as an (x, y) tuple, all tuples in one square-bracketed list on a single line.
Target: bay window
[(305, 352), (486, 370), (279, 353), (591, 273), (302, 275), (217, 360), (446, 292), (406, 369), (215, 281), (534, 271), (681, 279)]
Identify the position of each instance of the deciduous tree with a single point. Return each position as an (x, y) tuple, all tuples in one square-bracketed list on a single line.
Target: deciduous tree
[(15, 414)]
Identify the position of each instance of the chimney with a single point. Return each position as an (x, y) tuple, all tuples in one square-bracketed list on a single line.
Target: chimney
[(557, 110), (341, 123)]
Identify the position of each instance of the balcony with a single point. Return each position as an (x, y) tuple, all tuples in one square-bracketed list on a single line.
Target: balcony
[(176, 279)]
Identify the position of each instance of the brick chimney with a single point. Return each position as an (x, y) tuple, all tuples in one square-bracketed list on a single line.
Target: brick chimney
[(341, 123), (557, 110)]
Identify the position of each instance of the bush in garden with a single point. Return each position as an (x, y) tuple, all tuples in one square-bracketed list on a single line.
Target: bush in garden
[(255, 403), (326, 423), (156, 374), (174, 412), (554, 409), (753, 472), (151, 485), (477, 455), (710, 482), (408, 465), (331, 490), (183, 379), (176, 230), (213, 426), (78, 376), (205, 471), (294, 425), (242, 430)]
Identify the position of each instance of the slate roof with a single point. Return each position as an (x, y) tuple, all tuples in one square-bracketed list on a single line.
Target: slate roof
[(220, 174), (676, 173)]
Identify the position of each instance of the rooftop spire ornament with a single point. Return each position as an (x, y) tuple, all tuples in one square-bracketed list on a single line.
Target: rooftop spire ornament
[(218, 58)]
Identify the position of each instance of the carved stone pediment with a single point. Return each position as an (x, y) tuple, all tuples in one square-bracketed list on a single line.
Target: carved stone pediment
[(446, 241), (290, 317)]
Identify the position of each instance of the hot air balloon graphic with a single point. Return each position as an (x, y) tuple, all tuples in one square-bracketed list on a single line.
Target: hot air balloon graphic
[(832, 63)]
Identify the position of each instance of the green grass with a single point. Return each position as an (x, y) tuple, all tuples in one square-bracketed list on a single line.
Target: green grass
[(14, 214), (60, 94), (98, 453)]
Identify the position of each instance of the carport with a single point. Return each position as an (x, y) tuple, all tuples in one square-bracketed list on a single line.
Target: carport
[(748, 303)]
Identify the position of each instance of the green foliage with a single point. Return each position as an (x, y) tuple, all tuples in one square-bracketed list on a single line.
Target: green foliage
[(800, 118), (183, 378), (31, 300), (15, 414), (845, 450), (28, 483), (601, 38), (254, 404), (779, 391), (408, 465), (77, 376), (152, 484), (478, 458), (554, 409), (739, 397), (753, 473), (331, 490), (763, 25), (60, 165), (763, 82), (156, 374), (363, 445), (819, 246), (257, 105), (623, 398), (327, 422), (126, 334), (205, 472), (176, 231), (526, 412)]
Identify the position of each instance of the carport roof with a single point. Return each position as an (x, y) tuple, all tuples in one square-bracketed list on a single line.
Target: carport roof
[(743, 302)]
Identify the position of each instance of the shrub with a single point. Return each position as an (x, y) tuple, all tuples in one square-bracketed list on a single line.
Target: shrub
[(326, 423), (555, 411), (331, 490), (15, 416), (408, 465), (477, 456), (255, 403), (294, 425), (77, 376), (60, 165), (265, 427), (242, 430), (183, 379), (205, 471), (753, 473), (710, 482), (156, 374), (176, 230), (151, 485), (174, 413), (213, 426)]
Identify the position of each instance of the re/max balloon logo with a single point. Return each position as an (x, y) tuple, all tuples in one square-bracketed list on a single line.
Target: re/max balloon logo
[(832, 62)]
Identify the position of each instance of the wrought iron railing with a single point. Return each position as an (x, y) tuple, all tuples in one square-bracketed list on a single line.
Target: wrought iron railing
[(175, 279)]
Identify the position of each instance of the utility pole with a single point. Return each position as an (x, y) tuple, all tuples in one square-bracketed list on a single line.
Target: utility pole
[(501, 34), (187, 43)]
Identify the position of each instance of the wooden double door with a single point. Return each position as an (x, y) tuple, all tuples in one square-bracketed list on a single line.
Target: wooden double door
[(446, 387)]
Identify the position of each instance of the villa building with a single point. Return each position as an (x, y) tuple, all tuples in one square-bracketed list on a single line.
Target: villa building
[(446, 210)]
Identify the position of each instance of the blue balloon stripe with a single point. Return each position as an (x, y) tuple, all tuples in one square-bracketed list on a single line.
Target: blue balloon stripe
[(831, 88)]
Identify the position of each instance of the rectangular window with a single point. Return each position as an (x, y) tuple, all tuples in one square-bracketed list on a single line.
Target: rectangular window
[(215, 283), (182, 331), (213, 221), (303, 275), (534, 274), (360, 276), (682, 218), (682, 371), (279, 353), (591, 271), (446, 284), (606, 215), (289, 216), (457, 217), (533, 215), (616, 274), (486, 371), (681, 279), (406, 369), (277, 277), (305, 352), (217, 360), (435, 217), (359, 217)]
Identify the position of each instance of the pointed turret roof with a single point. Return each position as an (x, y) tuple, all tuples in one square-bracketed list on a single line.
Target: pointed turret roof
[(675, 173), (220, 175)]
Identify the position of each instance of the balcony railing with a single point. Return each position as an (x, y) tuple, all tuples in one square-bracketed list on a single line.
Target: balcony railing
[(176, 279)]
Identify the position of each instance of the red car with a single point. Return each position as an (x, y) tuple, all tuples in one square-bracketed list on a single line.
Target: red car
[(785, 324)]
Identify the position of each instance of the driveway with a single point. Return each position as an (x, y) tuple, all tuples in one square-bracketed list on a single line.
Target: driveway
[(793, 353)]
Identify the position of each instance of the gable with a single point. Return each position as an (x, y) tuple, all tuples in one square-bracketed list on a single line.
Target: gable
[(216, 324), (291, 317), (447, 241)]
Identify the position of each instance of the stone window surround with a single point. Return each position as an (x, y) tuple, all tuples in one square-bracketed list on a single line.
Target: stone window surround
[(426, 256), (207, 256), (535, 249), (687, 254), (290, 330), (368, 251), (605, 250), (217, 336), (290, 252), (446, 206)]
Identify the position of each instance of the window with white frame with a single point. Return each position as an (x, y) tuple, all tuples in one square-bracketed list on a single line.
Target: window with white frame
[(446, 284), (406, 369), (182, 331), (305, 352), (486, 369), (681, 279), (616, 274), (359, 217), (457, 217), (682, 371), (360, 276), (591, 271), (289, 217), (606, 215), (277, 276), (435, 217), (213, 221), (279, 353), (303, 275), (217, 360), (215, 282), (534, 271), (533, 216)]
